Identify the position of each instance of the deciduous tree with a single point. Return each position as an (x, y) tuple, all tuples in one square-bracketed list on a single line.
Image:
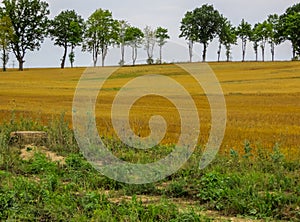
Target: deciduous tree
[(273, 21), (161, 39), (29, 21), (101, 32), (227, 37), (72, 58), (263, 31), (123, 26), (134, 37), (254, 38), (149, 42), (205, 22), (6, 35), (67, 30), (244, 31), (187, 29), (289, 28)]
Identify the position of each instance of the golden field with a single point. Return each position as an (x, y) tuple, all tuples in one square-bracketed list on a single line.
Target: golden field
[(263, 101)]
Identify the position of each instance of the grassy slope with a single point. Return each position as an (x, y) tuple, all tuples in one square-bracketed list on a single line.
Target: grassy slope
[(263, 106), (262, 100)]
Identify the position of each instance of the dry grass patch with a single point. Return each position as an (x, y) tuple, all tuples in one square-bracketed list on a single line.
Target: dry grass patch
[(263, 101)]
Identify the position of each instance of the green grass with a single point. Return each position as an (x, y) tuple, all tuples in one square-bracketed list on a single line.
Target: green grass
[(260, 186)]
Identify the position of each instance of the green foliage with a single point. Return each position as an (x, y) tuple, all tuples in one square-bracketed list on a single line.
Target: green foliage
[(177, 188), (247, 150), (274, 39), (288, 28), (101, 32), (262, 32), (161, 35), (40, 164), (201, 25), (244, 31), (187, 31), (72, 58), (137, 189), (213, 188), (254, 38), (227, 37), (6, 37), (60, 137), (123, 26), (263, 186), (134, 37), (67, 29), (29, 21)]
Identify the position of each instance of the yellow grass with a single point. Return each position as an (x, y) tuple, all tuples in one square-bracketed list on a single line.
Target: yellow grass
[(263, 101)]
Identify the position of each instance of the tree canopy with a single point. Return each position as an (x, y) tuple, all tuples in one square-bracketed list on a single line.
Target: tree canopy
[(289, 28), (244, 32), (101, 32), (67, 29), (161, 39), (30, 22), (134, 38), (227, 37), (6, 37), (201, 25)]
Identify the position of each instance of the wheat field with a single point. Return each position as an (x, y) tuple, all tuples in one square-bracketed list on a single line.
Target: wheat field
[(262, 99)]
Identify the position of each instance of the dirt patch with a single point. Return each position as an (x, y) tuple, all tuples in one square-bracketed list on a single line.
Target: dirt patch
[(143, 198), (28, 152)]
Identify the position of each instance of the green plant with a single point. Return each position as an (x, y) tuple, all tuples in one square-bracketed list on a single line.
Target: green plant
[(40, 164), (60, 137), (177, 188), (247, 150), (213, 188)]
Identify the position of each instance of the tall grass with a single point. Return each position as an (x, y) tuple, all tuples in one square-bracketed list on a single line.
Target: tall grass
[(263, 185)]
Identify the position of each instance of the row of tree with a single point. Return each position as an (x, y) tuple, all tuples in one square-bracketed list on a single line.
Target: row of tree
[(24, 24), (204, 24)]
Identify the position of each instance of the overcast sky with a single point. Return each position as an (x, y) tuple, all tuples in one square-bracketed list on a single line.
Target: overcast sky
[(168, 14)]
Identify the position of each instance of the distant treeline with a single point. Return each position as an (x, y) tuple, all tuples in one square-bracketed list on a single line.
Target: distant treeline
[(24, 24)]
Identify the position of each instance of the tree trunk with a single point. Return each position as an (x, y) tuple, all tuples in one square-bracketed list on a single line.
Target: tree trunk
[(294, 52), (95, 56), (191, 44), (21, 63), (273, 51), (263, 52), (219, 51), (102, 61), (228, 47), (160, 54), (256, 56), (134, 55), (122, 54), (62, 65), (4, 59), (103, 53), (72, 60), (204, 52), (244, 44), (19, 56)]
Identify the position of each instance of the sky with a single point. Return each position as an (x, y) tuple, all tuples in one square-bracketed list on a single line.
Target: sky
[(167, 14)]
